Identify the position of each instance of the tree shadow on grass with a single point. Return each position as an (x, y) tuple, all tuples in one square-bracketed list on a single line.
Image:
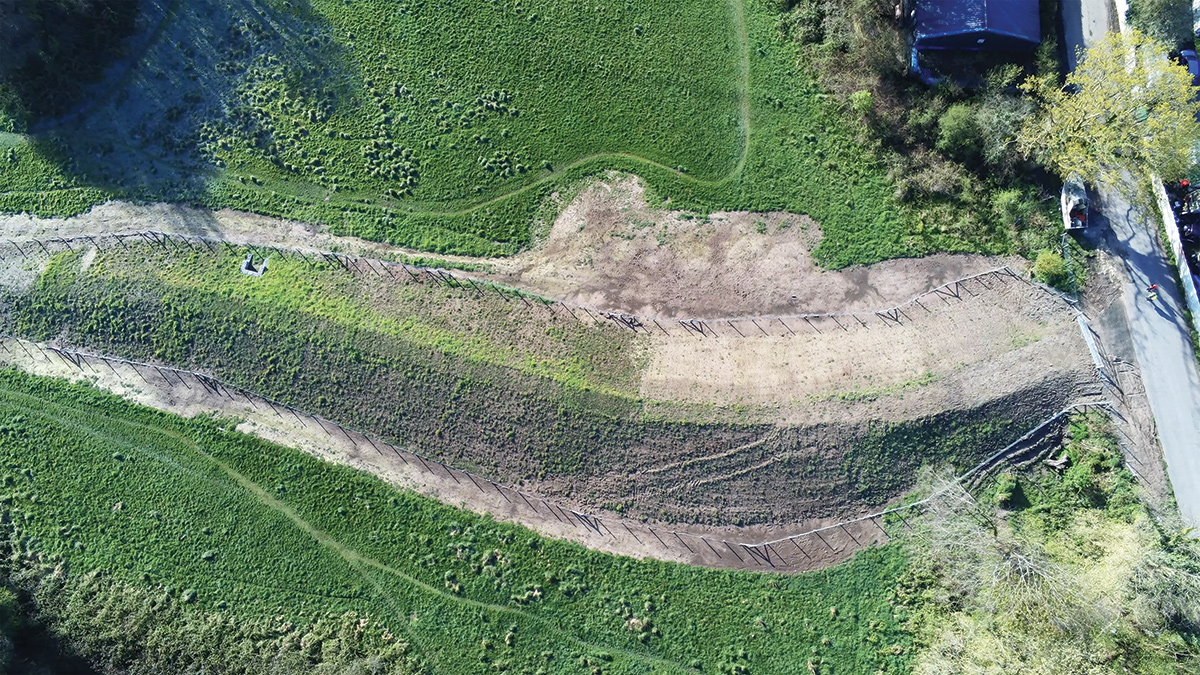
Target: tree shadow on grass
[(196, 73), (53, 51)]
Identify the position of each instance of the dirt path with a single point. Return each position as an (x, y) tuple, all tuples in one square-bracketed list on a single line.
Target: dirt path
[(693, 545), (608, 249)]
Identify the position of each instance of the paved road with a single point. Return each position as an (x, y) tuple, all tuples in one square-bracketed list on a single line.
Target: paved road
[(1084, 23), (1161, 343), (1158, 331)]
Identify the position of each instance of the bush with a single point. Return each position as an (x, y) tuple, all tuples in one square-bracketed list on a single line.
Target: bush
[(1014, 207), (861, 102), (1006, 487), (1050, 268), (958, 132), (997, 119), (805, 22)]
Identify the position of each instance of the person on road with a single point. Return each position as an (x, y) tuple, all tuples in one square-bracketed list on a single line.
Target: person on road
[(1152, 292)]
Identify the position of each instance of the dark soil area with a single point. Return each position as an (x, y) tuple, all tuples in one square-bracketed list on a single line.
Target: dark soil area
[(591, 448)]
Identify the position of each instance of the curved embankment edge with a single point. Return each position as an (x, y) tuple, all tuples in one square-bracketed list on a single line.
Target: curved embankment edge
[(799, 547)]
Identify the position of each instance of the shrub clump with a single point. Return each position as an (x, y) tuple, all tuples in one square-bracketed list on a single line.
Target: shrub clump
[(1050, 268)]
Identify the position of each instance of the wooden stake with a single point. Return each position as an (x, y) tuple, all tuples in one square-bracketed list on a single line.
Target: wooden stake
[(799, 548), (657, 537), (735, 554), (823, 540), (689, 548)]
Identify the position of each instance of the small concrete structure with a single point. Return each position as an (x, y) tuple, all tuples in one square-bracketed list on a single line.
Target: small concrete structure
[(249, 269)]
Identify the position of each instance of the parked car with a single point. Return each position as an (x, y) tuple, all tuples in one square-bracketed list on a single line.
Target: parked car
[(1074, 203), (1189, 58)]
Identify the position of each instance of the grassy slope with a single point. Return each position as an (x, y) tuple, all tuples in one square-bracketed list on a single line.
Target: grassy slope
[(248, 529), (520, 398), (270, 112)]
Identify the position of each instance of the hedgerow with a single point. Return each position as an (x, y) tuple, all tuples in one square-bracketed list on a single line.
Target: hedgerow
[(319, 112), (215, 522)]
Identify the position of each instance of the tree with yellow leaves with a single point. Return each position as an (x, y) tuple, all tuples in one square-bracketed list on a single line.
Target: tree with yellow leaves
[(1126, 108)]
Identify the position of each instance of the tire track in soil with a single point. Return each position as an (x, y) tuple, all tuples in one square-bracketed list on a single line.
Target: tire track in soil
[(687, 463), (616, 536)]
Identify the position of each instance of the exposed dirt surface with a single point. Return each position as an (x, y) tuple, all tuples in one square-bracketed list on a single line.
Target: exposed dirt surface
[(689, 544), (611, 250), (779, 422)]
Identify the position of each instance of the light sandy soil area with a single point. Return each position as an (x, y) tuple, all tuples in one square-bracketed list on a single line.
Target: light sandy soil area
[(943, 354), (611, 250)]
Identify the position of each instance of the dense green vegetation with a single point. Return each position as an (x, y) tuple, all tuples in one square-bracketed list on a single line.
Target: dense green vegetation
[(1168, 21), (484, 385), (146, 539), (1056, 571), (947, 148), (1045, 501), (314, 110)]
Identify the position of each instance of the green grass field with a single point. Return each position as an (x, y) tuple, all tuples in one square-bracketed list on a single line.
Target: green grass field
[(446, 128), (243, 532)]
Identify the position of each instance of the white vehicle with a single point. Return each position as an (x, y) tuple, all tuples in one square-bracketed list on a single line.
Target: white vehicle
[(1074, 204)]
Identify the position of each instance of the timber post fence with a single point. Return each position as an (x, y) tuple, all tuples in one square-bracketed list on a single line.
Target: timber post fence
[(781, 325), (780, 554)]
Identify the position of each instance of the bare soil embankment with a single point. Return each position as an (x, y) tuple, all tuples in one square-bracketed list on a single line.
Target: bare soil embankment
[(719, 547), (776, 429)]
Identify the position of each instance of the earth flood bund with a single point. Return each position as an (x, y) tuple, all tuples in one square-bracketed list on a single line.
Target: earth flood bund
[(835, 452)]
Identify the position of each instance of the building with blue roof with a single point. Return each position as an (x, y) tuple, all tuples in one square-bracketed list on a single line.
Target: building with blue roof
[(976, 25)]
